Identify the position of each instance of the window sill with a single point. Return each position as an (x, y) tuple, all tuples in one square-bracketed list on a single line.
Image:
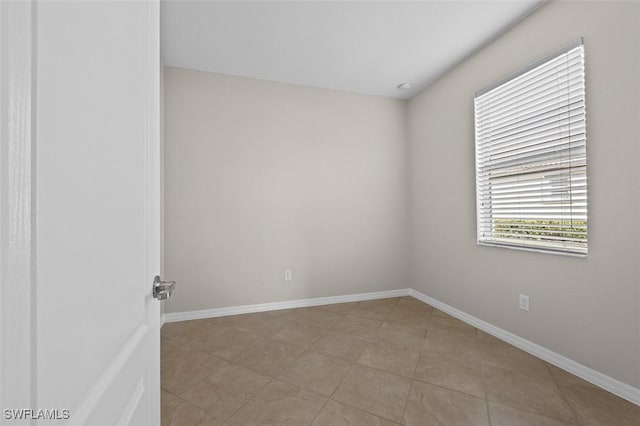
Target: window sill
[(536, 250)]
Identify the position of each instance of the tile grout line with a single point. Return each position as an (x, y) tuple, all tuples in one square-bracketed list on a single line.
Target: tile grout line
[(271, 378), (527, 410), (228, 361), (356, 363), (332, 393), (406, 401), (182, 400), (299, 387), (555, 381), (330, 397), (353, 364), (291, 384), (248, 400), (382, 371), (485, 388), (173, 394), (232, 361)]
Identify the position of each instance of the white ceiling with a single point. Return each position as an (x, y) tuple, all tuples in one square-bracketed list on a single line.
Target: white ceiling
[(364, 47)]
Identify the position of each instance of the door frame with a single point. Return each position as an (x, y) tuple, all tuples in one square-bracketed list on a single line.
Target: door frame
[(17, 205)]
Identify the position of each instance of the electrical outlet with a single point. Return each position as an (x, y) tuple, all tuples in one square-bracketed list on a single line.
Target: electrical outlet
[(287, 275), (524, 302)]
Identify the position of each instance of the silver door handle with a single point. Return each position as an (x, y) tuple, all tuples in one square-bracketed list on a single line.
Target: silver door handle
[(162, 289)]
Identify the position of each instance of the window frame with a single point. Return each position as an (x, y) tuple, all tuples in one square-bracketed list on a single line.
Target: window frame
[(520, 243)]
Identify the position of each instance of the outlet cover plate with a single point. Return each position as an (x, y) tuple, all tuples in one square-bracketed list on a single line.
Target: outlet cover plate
[(524, 302)]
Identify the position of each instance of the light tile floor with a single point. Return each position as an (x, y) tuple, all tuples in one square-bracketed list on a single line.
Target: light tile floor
[(380, 362)]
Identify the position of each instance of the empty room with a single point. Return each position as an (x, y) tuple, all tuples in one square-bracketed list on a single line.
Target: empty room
[(248, 213)]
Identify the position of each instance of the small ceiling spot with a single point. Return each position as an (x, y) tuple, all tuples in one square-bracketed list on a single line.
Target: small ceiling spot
[(404, 86)]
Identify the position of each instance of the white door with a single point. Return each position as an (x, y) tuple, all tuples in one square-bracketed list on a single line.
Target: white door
[(80, 212)]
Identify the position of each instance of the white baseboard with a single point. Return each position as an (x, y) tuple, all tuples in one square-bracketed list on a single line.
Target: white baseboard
[(275, 306), (610, 384)]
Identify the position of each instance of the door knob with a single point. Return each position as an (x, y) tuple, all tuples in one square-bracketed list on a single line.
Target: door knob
[(162, 289)]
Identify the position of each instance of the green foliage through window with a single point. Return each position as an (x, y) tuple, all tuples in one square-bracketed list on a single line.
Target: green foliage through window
[(540, 229)]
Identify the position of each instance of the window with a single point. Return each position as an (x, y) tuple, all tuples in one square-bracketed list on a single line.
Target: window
[(531, 159)]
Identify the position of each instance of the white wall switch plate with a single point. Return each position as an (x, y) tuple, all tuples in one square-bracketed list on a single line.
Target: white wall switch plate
[(287, 275)]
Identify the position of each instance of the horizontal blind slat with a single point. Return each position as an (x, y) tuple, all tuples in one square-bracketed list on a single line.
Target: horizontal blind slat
[(564, 127), (537, 113), (549, 141), (516, 143), (562, 88), (536, 154), (579, 226), (541, 237), (555, 118), (564, 64)]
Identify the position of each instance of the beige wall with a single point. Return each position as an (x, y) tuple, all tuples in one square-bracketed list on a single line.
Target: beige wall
[(585, 309), (261, 177)]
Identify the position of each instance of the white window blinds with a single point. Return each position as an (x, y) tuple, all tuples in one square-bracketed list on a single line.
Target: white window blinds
[(531, 159)]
